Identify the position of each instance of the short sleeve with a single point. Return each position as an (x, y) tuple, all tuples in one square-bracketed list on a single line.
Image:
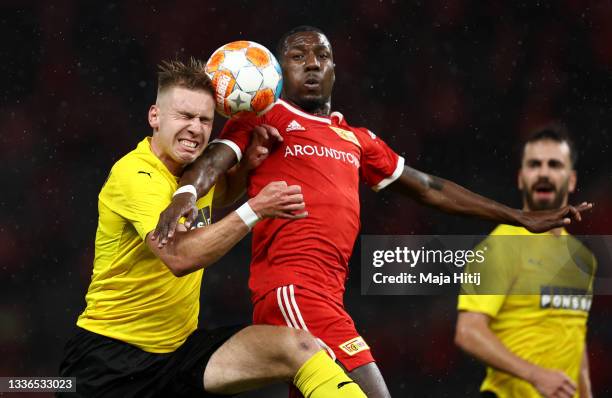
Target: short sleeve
[(488, 304), (136, 196), (497, 273), (380, 165), (237, 133)]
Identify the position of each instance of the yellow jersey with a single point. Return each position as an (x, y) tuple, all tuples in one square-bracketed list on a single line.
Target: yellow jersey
[(133, 296), (547, 329)]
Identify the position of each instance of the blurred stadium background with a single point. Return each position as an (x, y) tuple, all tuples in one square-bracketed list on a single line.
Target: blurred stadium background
[(453, 85)]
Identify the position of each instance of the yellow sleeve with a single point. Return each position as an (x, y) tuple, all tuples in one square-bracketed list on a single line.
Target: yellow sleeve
[(497, 274), (484, 303), (136, 196)]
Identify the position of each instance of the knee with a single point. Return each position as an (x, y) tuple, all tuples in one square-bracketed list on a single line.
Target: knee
[(298, 347)]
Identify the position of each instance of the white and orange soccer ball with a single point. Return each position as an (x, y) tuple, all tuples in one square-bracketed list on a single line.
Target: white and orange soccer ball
[(246, 76)]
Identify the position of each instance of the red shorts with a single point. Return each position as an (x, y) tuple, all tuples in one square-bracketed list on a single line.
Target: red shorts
[(301, 308)]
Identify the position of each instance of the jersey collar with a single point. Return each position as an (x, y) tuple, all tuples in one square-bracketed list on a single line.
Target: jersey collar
[(322, 119), (144, 147)]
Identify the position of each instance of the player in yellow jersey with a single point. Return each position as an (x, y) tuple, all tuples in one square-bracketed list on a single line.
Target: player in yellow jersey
[(534, 344), (139, 334)]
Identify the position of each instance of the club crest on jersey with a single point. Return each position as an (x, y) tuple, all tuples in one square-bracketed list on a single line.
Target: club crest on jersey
[(346, 135), (353, 346), (294, 126)]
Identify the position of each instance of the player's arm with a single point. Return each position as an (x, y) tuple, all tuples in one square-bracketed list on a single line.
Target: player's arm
[(203, 174), (231, 186), (201, 247), (584, 380), (474, 336), (454, 199)]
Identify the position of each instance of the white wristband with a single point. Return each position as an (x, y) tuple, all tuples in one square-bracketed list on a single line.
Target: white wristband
[(247, 215), (186, 188)]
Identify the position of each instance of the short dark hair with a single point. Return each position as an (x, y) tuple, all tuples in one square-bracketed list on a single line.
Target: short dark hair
[(556, 132), (282, 43), (190, 75)]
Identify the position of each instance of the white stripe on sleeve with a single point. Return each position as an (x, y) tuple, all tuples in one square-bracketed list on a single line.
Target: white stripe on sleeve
[(230, 144), (398, 172)]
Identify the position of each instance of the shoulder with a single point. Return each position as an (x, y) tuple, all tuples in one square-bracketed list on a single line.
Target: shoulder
[(504, 229), (252, 119), (580, 250), (498, 244), (132, 165), (365, 136), (281, 114), (136, 173), (133, 159)]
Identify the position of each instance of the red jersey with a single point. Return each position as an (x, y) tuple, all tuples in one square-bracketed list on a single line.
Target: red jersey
[(327, 158)]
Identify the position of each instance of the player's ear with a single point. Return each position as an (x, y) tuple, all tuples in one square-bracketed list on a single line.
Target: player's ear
[(154, 117), (519, 180), (573, 179)]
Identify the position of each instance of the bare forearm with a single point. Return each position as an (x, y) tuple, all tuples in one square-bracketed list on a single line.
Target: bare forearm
[(205, 171), (236, 182), (452, 198), (584, 380), (483, 344), (455, 199), (201, 247)]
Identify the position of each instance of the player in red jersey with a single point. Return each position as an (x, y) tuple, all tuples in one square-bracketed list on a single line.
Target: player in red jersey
[(298, 269)]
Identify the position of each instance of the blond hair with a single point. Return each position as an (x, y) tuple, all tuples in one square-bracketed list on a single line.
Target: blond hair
[(188, 75)]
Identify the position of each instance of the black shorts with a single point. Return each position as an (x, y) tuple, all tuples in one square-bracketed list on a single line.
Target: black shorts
[(106, 367)]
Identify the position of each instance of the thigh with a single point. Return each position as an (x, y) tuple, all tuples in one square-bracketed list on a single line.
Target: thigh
[(183, 375), (300, 308), (105, 367), (257, 356)]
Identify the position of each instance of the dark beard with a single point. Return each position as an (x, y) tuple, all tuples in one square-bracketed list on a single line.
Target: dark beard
[(312, 105), (560, 195)]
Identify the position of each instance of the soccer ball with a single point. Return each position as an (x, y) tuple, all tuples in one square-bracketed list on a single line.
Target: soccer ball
[(246, 76)]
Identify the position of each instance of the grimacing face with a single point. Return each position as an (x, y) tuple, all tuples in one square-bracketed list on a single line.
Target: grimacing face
[(182, 121), (546, 177), (308, 70)]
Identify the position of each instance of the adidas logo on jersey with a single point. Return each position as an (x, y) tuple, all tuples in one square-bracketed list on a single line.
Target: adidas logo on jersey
[(293, 126)]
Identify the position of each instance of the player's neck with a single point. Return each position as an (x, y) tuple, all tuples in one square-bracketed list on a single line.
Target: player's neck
[(324, 110), (317, 110), (175, 168)]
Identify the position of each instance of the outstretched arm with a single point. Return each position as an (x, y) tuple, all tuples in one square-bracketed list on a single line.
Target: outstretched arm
[(454, 199)]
